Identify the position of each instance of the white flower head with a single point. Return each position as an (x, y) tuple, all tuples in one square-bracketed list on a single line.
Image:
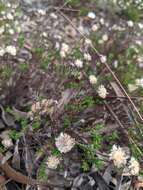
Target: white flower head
[(10, 16), (91, 15), (41, 12), (102, 92), (95, 27), (92, 79), (87, 56), (11, 31), (11, 50), (134, 166), (2, 29), (140, 25), (88, 41), (65, 47), (53, 162), (130, 23), (42, 107), (132, 87), (118, 156), (139, 82), (7, 142), (105, 37), (64, 142), (78, 63), (103, 59), (64, 50), (102, 21), (2, 51), (115, 63)]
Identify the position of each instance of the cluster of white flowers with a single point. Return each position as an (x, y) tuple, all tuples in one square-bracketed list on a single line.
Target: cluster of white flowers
[(102, 92), (8, 49), (88, 42), (42, 107), (7, 142), (87, 56), (92, 79), (127, 4), (53, 162), (118, 156), (64, 50), (78, 63), (134, 166), (139, 82), (120, 159), (132, 87), (64, 142)]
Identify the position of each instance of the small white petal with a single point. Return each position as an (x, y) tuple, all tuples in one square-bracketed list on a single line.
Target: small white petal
[(53, 162), (103, 59), (130, 23), (64, 142), (92, 79), (91, 15), (95, 27), (10, 16), (79, 63), (102, 92), (11, 50)]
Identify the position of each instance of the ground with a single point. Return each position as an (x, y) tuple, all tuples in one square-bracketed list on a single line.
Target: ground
[(71, 94)]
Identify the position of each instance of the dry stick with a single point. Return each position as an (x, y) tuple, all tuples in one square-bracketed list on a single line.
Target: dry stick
[(21, 178), (17, 176), (106, 64)]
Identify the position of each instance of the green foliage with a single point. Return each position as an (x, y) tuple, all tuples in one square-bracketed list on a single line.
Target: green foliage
[(76, 53), (56, 152), (97, 139), (6, 72), (85, 166), (89, 157), (13, 134), (16, 116), (132, 13), (136, 151), (74, 85), (21, 40), (67, 121), (73, 3), (83, 11), (36, 125), (23, 67), (42, 172), (48, 59), (39, 51), (88, 101), (2, 7), (113, 136), (2, 148)]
